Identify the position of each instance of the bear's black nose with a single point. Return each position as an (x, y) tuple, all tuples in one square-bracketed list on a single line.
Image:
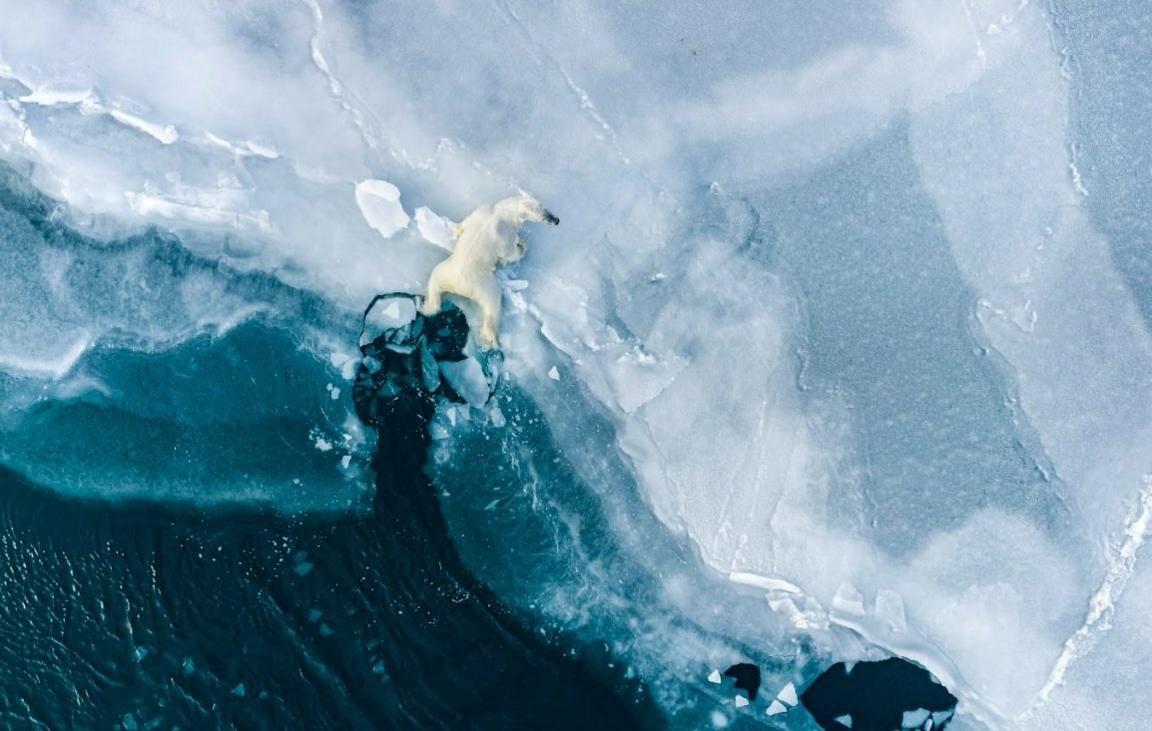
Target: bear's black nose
[(551, 218)]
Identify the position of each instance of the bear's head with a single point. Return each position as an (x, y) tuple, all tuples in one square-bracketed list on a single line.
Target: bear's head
[(524, 208)]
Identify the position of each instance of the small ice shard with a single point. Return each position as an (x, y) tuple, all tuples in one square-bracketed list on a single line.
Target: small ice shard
[(164, 134), (714, 677), (848, 599), (239, 690), (129, 722), (719, 720), (379, 203), (314, 615), (435, 228), (323, 444), (326, 631), (741, 701), (335, 394), (379, 668), (139, 653), (553, 373), (844, 720), (302, 568), (188, 666), (787, 694), (763, 582), (915, 718), (776, 708), (939, 717), (346, 461), (497, 417)]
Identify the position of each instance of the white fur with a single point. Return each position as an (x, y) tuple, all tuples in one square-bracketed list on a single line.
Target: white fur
[(489, 236)]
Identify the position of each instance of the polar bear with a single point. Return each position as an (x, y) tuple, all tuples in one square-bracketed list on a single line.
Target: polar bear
[(490, 235)]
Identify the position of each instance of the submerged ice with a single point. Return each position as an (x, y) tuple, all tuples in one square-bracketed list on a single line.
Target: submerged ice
[(849, 305)]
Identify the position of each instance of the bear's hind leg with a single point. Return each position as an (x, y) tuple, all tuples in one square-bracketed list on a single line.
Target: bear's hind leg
[(487, 296), (433, 299)]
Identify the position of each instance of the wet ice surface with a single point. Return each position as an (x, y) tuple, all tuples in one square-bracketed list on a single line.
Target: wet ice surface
[(849, 304)]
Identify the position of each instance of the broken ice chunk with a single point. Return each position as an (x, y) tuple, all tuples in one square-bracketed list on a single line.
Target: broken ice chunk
[(467, 378), (239, 690), (844, 720), (776, 708), (741, 701), (379, 203), (714, 677), (553, 373), (787, 694), (434, 228), (915, 718)]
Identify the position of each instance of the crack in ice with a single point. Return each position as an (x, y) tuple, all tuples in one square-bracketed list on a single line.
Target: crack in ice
[(581, 95), (1102, 604)]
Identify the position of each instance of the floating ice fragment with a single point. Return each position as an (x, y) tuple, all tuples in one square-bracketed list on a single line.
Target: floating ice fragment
[(379, 203), (741, 701), (323, 444), (188, 666), (335, 394), (776, 708), (719, 720), (314, 615), (714, 677), (379, 668), (467, 378), (915, 718), (497, 417), (326, 631), (239, 690), (553, 373), (844, 720), (302, 568), (345, 461), (129, 722), (787, 694)]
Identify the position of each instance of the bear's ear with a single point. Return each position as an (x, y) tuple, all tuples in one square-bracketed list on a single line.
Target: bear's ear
[(457, 230)]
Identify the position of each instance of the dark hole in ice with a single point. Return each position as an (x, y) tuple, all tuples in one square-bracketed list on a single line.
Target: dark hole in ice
[(874, 696), (747, 678)]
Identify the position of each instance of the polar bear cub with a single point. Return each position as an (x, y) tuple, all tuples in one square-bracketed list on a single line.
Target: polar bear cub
[(490, 235)]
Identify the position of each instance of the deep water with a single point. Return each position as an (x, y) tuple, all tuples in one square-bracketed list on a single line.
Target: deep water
[(138, 616)]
